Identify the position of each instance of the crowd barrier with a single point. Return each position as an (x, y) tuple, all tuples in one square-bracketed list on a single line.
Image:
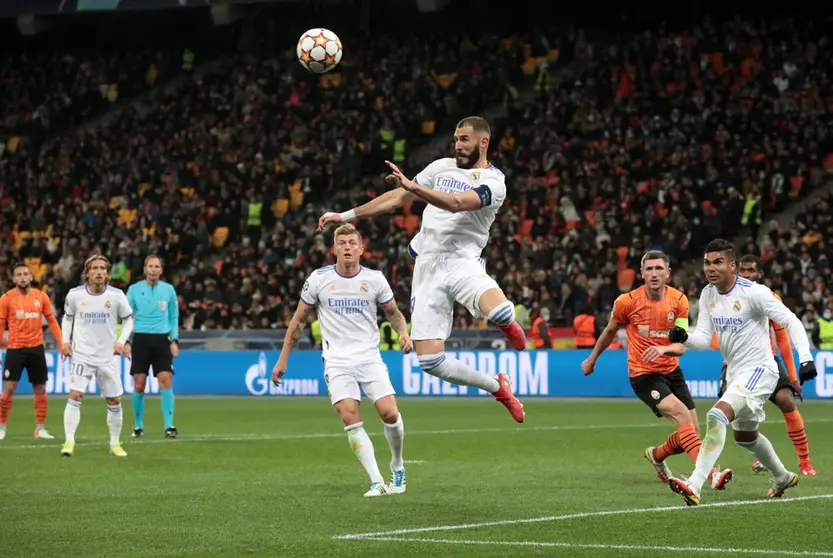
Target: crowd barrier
[(533, 374)]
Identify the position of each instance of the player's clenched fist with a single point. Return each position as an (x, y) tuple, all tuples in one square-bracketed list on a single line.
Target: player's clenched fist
[(66, 350), (588, 366)]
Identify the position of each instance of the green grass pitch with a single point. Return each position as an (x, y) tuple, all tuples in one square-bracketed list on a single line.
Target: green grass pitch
[(276, 477)]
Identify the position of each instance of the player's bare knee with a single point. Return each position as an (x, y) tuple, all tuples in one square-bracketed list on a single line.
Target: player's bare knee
[(76, 395), (39, 389), (388, 411), (166, 380), (726, 408), (785, 400), (113, 400), (674, 410), (9, 388), (139, 383), (348, 410)]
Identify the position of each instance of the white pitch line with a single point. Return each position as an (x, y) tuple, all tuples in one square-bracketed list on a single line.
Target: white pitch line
[(591, 546), (580, 515), (313, 436)]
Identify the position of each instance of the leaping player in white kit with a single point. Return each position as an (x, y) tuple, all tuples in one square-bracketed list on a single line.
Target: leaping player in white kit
[(346, 295), (739, 311), (91, 314), (464, 195)]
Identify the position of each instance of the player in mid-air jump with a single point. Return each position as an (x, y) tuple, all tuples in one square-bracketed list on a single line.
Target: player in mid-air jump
[(788, 387), (739, 311), (346, 296), (648, 313), (464, 194)]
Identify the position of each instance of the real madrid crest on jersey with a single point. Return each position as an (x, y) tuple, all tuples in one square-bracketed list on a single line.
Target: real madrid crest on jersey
[(736, 306), (363, 287), (475, 176), (107, 304)]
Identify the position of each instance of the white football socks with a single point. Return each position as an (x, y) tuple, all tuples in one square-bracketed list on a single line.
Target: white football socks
[(455, 372), (713, 442), (762, 449), (363, 449), (72, 416), (114, 421), (395, 435)]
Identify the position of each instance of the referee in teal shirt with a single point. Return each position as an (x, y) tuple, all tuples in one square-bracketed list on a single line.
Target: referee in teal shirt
[(154, 344)]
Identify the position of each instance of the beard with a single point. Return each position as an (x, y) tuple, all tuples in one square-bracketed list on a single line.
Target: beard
[(467, 160)]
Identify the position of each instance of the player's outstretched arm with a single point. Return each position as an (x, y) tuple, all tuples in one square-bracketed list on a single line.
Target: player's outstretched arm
[(293, 335), (398, 322), (602, 343), (381, 205), (468, 200)]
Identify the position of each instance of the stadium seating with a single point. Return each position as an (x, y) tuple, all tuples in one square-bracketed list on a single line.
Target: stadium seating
[(665, 142)]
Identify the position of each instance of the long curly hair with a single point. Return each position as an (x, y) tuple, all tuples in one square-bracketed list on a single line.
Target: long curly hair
[(89, 263)]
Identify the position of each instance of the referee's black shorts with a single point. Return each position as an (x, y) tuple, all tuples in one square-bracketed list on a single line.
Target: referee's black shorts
[(151, 350)]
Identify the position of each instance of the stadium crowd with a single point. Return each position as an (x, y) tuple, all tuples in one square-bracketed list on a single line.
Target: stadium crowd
[(665, 141)]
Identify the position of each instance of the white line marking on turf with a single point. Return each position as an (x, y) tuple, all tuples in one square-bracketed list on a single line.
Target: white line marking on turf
[(313, 436), (414, 462), (581, 515), (610, 546)]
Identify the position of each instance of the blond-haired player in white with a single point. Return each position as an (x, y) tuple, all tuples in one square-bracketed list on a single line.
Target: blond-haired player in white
[(739, 312), (345, 296), (91, 314), (464, 194)]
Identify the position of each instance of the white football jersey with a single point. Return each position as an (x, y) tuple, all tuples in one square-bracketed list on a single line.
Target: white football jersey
[(346, 309), (94, 321), (740, 318), (466, 233)]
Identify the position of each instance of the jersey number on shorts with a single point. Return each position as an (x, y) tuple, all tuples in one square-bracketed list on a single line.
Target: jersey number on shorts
[(78, 370)]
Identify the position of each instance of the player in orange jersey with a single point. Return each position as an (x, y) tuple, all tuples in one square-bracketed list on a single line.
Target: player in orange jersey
[(647, 314), (24, 309), (788, 386)]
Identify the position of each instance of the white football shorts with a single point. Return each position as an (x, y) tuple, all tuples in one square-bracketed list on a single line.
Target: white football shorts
[(107, 375), (747, 393), (347, 381), (437, 284)]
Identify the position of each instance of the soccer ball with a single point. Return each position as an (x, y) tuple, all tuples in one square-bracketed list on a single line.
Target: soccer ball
[(319, 50)]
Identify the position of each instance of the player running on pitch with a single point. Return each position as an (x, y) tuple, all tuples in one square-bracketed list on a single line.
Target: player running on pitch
[(91, 314), (739, 311), (648, 313), (788, 386), (464, 194), (346, 296), (24, 308)]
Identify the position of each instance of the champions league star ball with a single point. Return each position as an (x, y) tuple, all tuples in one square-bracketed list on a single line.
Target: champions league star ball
[(319, 50)]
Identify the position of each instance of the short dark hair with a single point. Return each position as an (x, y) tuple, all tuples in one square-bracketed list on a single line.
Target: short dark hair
[(19, 264), (655, 255), (154, 257), (477, 124), (752, 258), (721, 245)]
